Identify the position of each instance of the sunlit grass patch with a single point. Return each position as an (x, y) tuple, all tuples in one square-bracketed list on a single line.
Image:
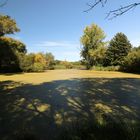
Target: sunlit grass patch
[(103, 108)]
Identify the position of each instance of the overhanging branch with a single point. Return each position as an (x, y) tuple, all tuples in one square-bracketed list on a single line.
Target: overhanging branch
[(122, 10), (91, 6), (113, 13)]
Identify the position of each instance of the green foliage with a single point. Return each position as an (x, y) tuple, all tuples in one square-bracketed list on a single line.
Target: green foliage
[(7, 25), (77, 65), (39, 62), (108, 68), (59, 66), (33, 63), (57, 62), (98, 55), (119, 47), (26, 62), (10, 52), (91, 40), (68, 65), (38, 67), (136, 48), (132, 62), (49, 61)]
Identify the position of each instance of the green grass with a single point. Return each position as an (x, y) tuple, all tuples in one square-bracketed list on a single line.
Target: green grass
[(74, 66), (70, 105), (109, 68)]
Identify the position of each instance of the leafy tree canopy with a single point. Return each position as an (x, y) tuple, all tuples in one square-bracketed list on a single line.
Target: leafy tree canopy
[(7, 25), (91, 40), (10, 52), (50, 60)]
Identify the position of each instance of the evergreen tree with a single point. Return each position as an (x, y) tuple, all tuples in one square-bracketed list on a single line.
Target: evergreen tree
[(119, 47)]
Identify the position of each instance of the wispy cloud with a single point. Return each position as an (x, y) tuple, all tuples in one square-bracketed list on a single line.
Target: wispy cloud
[(62, 50), (57, 44)]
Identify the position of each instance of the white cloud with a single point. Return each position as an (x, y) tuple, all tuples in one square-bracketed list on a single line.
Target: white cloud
[(57, 44)]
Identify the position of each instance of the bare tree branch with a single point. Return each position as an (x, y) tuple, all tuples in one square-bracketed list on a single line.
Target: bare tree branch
[(122, 10), (113, 13), (91, 6)]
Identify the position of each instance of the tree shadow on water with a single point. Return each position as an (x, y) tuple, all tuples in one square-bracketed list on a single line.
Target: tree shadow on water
[(74, 109)]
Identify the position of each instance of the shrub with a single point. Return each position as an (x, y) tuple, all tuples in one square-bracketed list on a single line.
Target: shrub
[(67, 65), (26, 62), (132, 62), (109, 68), (38, 67), (49, 61), (33, 63)]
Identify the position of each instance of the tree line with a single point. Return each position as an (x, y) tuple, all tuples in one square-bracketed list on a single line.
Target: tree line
[(117, 52), (13, 53), (15, 58)]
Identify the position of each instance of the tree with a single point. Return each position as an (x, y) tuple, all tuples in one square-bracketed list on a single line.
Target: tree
[(7, 25), (113, 13), (27, 62), (99, 55), (119, 47), (91, 40), (10, 52), (39, 62), (40, 58), (33, 62), (50, 60)]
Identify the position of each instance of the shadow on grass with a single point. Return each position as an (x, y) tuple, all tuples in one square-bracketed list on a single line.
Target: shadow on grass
[(74, 109), (10, 74)]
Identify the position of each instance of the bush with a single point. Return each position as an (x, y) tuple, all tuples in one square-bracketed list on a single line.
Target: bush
[(50, 61), (67, 65), (109, 68), (33, 63), (26, 62), (132, 62), (38, 67)]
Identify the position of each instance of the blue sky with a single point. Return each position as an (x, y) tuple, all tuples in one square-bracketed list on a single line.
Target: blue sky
[(57, 25)]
